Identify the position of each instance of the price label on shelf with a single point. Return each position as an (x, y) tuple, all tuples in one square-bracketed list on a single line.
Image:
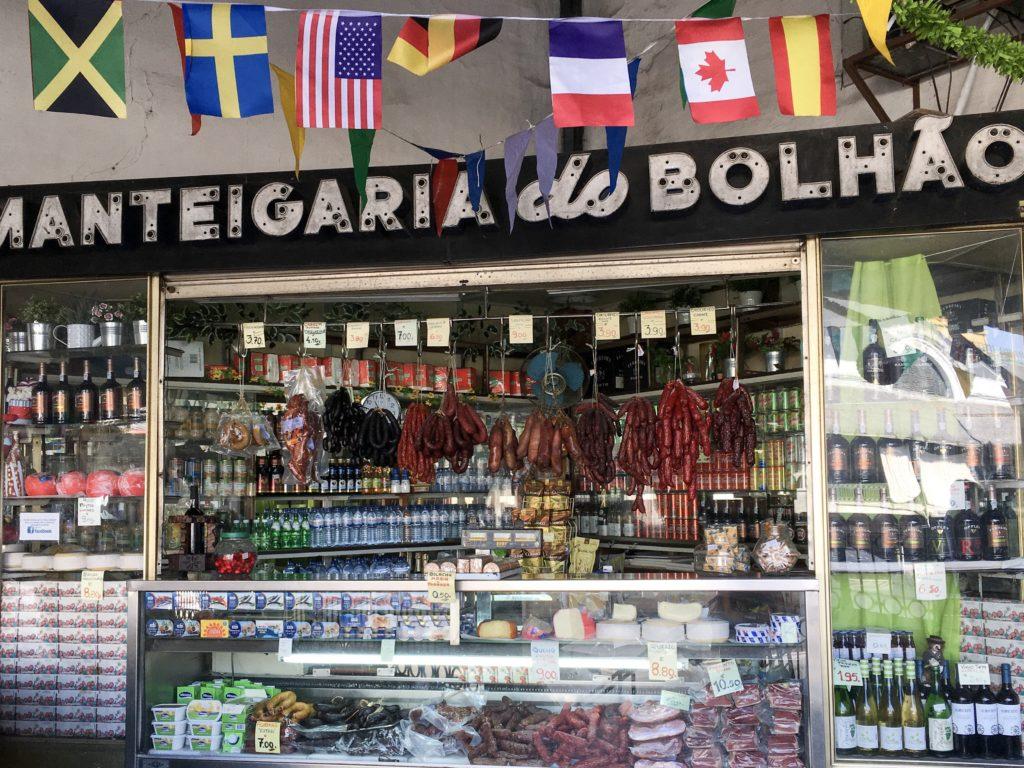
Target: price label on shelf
[(877, 643), (90, 510), (544, 661), (676, 700), (702, 321), (652, 324), (973, 674), (441, 587), (387, 650), (268, 738), (662, 662), (958, 495), (725, 677), (606, 326), (846, 672), (438, 331), (520, 329), (930, 581), (254, 335), (357, 335), (314, 335), (92, 585), (406, 332), (284, 648)]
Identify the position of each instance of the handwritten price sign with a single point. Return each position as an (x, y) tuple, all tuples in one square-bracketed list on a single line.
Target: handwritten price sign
[(652, 324), (90, 510), (314, 335), (702, 321), (544, 661), (680, 701), (606, 326), (662, 662), (441, 587), (520, 329), (406, 332), (846, 672), (973, 674), (930, 581), (92, 585), (254, 336), (357, 335), (438, 331), (268, 738), (725, 677)]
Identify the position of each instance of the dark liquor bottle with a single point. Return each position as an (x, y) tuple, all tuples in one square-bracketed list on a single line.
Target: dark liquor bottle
[(262, 475), (974, 451), (917, 444), (86, 398), (858, 526), (136, 391), (754, 522), (1008, 703), (943, 445), (838, 450), (110, 394), (863, 453), (986, 715), (886, 533), (195, 525), (276, 474), (63, 400), (994, 530), (913, 535), (42, 412), (939, 715), (961, 700), (940, 538), (837, 531), (969, 540), (873, 358), (1001, 451)]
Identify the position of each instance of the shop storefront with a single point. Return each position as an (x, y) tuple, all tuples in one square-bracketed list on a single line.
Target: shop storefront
[(811, 343)]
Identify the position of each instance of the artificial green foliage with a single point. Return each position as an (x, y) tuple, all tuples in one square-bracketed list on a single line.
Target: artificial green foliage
[(929, 21)]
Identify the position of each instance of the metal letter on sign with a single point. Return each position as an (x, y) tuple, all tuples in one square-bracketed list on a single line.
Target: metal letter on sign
[(96, 218), (234, 210), (531, 203), (383, 197), (789, 171), (852, 166), (286, 215), (931, 160), (420, 201), (974, 155), (718, 178), (329, 210), (195, 213), (673, 181), (51, 224), (460, 208), (150, 200), (12, 222)]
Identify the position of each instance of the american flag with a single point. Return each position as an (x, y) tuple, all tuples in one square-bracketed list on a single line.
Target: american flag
[(337, 71)]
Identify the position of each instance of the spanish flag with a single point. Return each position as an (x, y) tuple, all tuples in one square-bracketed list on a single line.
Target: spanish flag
[(804, 75), (428, 43)]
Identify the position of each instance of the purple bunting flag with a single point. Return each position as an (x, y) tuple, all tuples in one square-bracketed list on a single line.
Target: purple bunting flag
[(515, 150)]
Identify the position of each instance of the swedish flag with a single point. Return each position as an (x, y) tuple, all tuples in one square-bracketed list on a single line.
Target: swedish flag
[(227, 68)]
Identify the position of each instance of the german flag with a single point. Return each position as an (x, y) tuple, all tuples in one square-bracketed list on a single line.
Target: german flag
[(428, 43)]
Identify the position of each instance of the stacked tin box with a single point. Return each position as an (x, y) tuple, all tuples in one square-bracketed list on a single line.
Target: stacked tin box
[(992, 632)]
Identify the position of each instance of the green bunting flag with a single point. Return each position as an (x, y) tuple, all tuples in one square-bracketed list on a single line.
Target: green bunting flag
[(712, 9), (360, 140)]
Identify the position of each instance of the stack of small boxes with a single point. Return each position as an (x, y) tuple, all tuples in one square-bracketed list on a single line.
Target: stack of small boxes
[(227, 708), (992, 632), (63, 660)]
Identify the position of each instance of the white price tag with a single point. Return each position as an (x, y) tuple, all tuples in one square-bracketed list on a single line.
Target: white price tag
[(973, 674), (267, 738), (958, 495), (92, 585), (314, 335), (284, 648), (90, 510), (441, 587), (357, 335), (544, 661), (39, 526), (702, 321), (652, 324), (254, 336), (846, 672), (680, 701), (520, 329), (406, 332), (386, 671), (662, 662), (606, 326), (725, 677), (387, 650), (438, 331), (878, 644), (930, 581), (789, 633)]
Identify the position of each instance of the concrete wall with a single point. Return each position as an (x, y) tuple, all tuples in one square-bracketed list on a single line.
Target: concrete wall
[(487, 95)]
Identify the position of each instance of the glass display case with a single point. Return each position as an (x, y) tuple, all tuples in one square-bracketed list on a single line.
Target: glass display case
[(922, 364), (542, 672)]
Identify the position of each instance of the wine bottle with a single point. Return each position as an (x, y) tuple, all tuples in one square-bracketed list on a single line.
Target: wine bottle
[(915, 740), (867, 714), (1008, 703), (845, 714), (888, 444), (968, 531), (974, 451), (1002, 465), (136, 391), (859, 530), (913, 534), (195, 539), (863, 453), (41, 402), (110, 395), (890, 722), (995, 531), (886, 532), (873, 357), (940, 538), (939, 715), (965, 739), (837, 448), (918, 445), (986, 714), (86, 398), (837, 530), (63, 398), (943, 445)]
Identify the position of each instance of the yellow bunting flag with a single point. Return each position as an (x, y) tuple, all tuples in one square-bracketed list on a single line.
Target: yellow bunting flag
[(875, 14), (286, 87)]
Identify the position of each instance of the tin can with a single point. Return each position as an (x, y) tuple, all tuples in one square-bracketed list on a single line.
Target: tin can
[(210, 475), (191, 470), (240, 478), (757, 478), (796, 398), (771, 399), (227, 471), (761, 402), (794, 421), (782, 399)]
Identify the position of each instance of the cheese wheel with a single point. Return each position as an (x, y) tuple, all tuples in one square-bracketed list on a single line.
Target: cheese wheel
[(708, 631), (681, 612), (496, 629), (568, 624), (618, 630), (662, 631)]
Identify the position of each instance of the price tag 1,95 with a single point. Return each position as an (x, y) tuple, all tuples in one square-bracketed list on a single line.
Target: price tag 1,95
[(268, 738), (253, 336), (544, 661), (846, 672), (314, 335), (662, 662), (441, 587), (725, 677)]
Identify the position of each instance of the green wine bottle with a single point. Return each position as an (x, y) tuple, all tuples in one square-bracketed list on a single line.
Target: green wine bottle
[(890, 718), (867, 714), (940, 715), (845, 714), (915, 740)]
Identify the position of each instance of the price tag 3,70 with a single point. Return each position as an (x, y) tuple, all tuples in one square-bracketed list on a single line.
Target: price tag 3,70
[(662, 662), (254, 336), (544, 661), (268, 738), (441, 587), (846, 672), (725, 677)]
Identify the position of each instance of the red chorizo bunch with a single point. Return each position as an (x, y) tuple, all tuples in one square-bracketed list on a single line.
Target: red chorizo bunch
[(597, 424), (412, 455), (638, 453), (683, 433), (452, 432), (733, 424), (502, 447), (547, 439)]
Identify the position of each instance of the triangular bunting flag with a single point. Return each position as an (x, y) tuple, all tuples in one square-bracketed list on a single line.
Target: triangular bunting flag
[(875, 14), (179, 34), (515, 151), (297, 134), (442, 187), (428, 43), (713, 9), (360, 141), (545, 145), (437, 154), (476, 164), (615, 135)]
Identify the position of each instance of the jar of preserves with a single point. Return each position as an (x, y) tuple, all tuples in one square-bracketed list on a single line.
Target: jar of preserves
[(775, 552), (234, 555)]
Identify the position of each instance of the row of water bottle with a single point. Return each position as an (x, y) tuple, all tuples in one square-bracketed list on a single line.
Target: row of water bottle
[(371, 524)]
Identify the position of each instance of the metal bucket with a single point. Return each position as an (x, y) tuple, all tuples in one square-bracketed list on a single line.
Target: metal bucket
[(111, 334), (140, 330), (40, 336)]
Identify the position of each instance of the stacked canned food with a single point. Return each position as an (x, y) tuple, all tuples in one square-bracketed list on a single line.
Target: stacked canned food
[(780, 409), (779, 464), (217, 476)]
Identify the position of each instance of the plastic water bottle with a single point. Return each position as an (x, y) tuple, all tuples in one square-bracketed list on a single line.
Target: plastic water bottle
[(394, 527), (341, 526), (417, 525), (316, 530), (373, 525), (357, 534), (443, 527)]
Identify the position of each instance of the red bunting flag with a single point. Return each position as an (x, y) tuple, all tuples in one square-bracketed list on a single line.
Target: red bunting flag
[(442, 187)]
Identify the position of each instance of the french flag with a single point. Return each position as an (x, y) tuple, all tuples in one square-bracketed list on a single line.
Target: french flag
[(589, 76)]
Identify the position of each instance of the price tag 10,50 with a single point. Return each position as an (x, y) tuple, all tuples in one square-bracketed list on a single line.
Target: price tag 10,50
[(441, 587), (544, 661), (254, 336), (846, 672), (930, 581), (92, 585), (268, 738), (606, 326), (702, 321), (406, 332), (438, 331), (662, 662), (314, 335), (725, 677), (973, 674), (357, 335), (652, 324), (520, 329)]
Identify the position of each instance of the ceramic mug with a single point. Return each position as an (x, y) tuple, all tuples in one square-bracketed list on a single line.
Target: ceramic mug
[(78, 335)]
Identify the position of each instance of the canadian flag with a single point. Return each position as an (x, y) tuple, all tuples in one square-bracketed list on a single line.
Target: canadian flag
[(715, 70)]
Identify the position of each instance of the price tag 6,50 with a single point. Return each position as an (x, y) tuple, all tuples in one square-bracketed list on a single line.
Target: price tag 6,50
[(675, 700), (92, 585), (846, 672), (544, 661), (662, 662), (930, 581), (725, 677), (268, 738), (314, 335), (357, 335), (441, 587), (254, 336), (438, 331), (973, 674), (652, 324), (406, 332), (702, 321), (520, 329), (90, 509), (606, 326)]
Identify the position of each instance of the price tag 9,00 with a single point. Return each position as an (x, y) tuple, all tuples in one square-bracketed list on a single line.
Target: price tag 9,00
[(268, 738), (725, 677), (702, 321), (406, 332), (441, 587), (930, 581), (652, 324), (544, 661), (254, 336), (662, 662), (357, 335), (520, 329), (606, 326), (438, 331), (314, 335), (846, 672), (973, 674)]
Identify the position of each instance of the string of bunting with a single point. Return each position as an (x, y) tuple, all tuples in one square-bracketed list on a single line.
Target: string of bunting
[(77, 52)]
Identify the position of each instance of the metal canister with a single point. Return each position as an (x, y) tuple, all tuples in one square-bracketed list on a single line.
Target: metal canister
[(796, 398), (771, 399), (782, 399), (210, 476), (794, 421), (761, 403), (240, 478)]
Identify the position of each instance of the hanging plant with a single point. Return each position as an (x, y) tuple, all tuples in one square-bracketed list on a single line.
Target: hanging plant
[(928, 20), (199, 322)]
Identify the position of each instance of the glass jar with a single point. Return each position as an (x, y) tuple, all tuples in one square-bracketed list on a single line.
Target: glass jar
[(775, 552), (235, 555)]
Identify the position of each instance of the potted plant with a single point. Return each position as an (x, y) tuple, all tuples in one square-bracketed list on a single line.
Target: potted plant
[(749, 293), (40, 314), (15, 338), (722, 364), (109, 316), (76, 320), (135, 313), (773, 345), (632, 306)]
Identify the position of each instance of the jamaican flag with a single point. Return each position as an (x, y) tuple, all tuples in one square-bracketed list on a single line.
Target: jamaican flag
[(77, 56)]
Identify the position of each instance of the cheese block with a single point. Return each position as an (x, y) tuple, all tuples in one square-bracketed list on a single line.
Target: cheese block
[(681, 612), (573, 624), (707, 631), (618, 630), (496, 629), (662, 631), (623, 612)]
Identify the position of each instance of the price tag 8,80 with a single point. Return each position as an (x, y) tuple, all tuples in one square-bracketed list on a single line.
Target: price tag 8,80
[(268, 738), (441, 587), (662, 661), (314, 335), (544, 661), (725, 677), (253, 336), (92, 585), (652, 324), (606, 326), (846, 672)]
